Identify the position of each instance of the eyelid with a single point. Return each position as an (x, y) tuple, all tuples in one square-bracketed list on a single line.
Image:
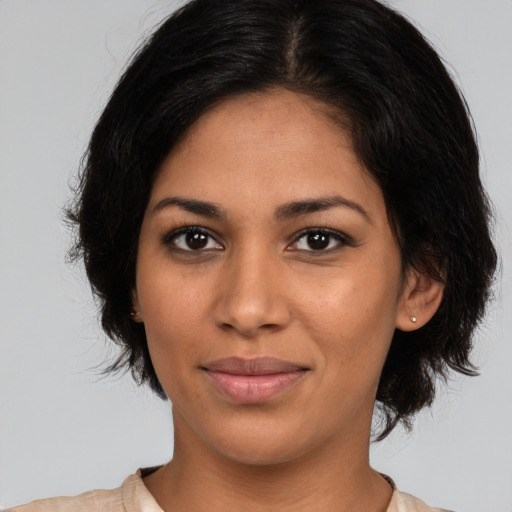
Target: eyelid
[(343, 239), (168, 238)]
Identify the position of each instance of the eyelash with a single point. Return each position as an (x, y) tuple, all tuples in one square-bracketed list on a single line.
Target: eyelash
[(170, 239), (341, 239)]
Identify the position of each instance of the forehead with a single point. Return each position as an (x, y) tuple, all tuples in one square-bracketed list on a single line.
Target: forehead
[(275, 145), (266, 119)]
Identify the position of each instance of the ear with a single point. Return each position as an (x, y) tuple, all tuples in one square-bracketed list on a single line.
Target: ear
[(421, 297), (136, 313)]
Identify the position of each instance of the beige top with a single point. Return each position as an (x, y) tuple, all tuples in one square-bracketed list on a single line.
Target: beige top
[(133, 496)]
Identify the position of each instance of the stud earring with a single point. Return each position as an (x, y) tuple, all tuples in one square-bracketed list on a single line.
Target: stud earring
[(134, 314), (414, 319)]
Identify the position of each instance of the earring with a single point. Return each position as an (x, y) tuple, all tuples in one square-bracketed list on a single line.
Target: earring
[(134, 314), (414, 319)]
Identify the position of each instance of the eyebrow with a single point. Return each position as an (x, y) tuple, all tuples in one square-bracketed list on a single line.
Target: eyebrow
[(297, 208), (204, 208), (284, 212)]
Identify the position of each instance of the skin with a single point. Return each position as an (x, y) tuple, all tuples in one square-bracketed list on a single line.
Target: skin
[(257, 288)]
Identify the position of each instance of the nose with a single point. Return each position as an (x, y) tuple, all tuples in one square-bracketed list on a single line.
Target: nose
[(251, 296)]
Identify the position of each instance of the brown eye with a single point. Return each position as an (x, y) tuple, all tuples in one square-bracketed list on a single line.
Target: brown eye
[(192, 240), (196, 240), (318, 241)]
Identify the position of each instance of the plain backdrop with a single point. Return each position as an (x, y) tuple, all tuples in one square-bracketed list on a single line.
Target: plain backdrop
[(63, 430)]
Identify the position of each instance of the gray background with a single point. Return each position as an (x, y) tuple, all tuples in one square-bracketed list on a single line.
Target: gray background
[(62, 429)]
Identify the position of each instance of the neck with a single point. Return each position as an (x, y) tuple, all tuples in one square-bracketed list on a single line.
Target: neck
[(336, 477)]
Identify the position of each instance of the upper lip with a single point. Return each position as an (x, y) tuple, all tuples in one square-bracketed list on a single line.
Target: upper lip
[(253, 366)]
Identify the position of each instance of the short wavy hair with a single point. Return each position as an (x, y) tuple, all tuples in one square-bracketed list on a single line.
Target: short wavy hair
[(409, 124)]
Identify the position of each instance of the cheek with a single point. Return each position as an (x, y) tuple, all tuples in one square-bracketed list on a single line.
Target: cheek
[(167, 294), (352, 315), (174, 315)]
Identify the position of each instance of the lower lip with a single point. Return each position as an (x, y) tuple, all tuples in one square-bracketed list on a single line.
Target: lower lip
[(252, 389)]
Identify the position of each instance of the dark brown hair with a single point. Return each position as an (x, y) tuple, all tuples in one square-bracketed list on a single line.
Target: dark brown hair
[(409, 124)]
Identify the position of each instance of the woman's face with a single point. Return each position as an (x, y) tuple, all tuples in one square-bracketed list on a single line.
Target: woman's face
[(269, 282)]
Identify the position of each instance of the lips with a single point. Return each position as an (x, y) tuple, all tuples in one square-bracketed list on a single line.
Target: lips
[(253, 380)]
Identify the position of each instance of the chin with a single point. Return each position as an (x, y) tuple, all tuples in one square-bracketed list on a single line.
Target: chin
[(265, 447)]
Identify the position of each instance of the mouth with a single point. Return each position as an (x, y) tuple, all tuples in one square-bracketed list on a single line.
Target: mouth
[(251, 381)]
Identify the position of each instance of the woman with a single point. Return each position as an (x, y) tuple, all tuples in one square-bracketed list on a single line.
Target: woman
[(282, 217)]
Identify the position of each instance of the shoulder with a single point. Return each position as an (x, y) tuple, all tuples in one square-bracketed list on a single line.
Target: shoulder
[(403, 502), (132, 496), (100, 500)]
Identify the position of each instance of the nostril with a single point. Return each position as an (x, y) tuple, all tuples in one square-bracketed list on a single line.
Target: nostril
[(250, 330)]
